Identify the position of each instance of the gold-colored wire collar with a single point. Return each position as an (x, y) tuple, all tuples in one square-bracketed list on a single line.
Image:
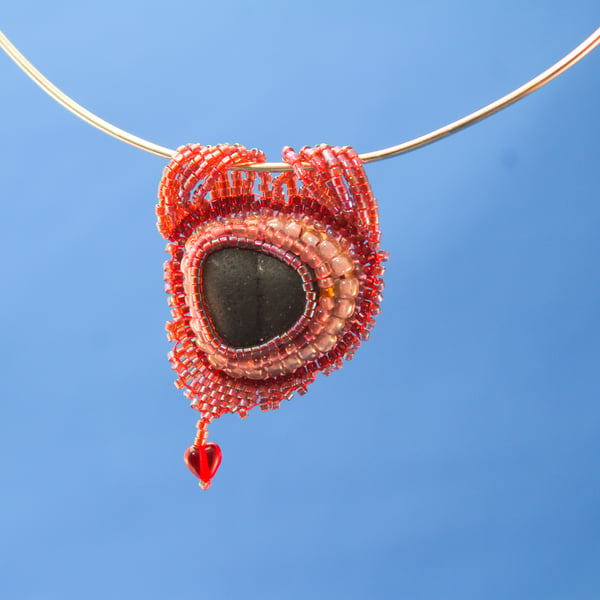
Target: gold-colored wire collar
[(534, 84)]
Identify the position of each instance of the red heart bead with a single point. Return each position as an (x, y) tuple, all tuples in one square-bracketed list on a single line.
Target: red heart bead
[(203, 461)]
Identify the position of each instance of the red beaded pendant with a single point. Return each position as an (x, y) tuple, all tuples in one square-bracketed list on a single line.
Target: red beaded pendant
[(269, 286)]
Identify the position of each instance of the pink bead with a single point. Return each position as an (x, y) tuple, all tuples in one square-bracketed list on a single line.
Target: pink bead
[(256, 374), (310, 238), (283, 240), (348, 288), (344, 308), (340, 265), (325, 342), (309, 255), (239, 229), (327, 303), (335, 325), (275, 369), (292, 362), (322, 315), (326, 282), (323, 271), (293, 229), (327, 249), (297, 247), (315, 327), (308, 352)]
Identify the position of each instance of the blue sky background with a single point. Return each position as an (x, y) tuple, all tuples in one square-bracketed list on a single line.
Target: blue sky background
[(458, 455)]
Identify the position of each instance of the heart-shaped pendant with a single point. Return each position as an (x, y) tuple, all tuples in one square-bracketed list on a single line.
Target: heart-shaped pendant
[(203, 461)]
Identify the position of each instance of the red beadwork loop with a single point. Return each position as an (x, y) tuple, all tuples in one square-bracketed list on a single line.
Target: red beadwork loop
[(321, 220)]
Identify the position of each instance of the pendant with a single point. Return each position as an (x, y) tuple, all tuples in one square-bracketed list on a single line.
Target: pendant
[(271, 280)]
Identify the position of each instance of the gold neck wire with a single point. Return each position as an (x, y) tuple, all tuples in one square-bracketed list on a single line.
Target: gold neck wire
[(532, 85)]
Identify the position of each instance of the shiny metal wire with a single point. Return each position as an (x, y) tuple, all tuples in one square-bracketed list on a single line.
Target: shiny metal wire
[(534, 84)]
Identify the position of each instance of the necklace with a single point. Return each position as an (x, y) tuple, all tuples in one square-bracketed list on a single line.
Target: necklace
[(313, 230)]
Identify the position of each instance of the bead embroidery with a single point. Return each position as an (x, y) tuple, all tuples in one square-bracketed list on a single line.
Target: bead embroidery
[(321, 220)]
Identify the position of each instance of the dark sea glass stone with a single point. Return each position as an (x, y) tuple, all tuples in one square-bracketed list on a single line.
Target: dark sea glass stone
[(250, 297)]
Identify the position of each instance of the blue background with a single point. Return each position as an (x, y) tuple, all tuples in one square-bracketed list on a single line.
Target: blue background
[(458, 455)]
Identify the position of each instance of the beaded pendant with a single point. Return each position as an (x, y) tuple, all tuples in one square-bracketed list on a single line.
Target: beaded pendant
[(271, 279)]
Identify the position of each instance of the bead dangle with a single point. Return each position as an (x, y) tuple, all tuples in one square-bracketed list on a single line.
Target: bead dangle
[(266, 289)]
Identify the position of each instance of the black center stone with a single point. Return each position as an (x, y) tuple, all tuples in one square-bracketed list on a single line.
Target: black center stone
[(250, 297)]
